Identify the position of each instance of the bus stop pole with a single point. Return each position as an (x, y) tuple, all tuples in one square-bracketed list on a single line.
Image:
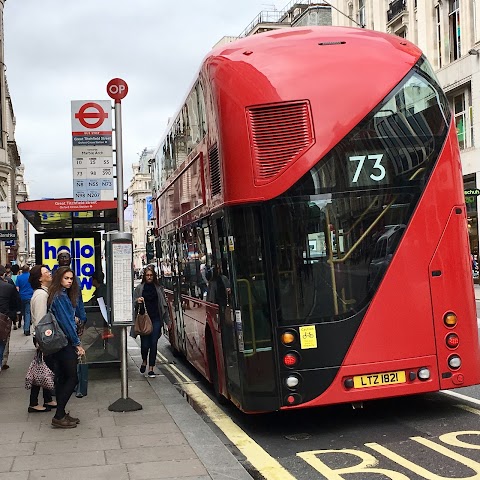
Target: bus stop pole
[(123, 404)]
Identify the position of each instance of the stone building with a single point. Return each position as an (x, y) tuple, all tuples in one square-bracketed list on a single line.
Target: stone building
[(448, 32), (140, 195), (11, 170)]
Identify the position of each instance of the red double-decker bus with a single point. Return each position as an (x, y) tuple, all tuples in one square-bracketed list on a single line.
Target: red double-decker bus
[(312, 225)]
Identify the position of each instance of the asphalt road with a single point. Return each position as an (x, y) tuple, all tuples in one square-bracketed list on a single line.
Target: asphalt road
[(434, 436)]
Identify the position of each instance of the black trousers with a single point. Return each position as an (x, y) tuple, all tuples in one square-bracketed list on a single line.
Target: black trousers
[(148, 343), (65, 377)]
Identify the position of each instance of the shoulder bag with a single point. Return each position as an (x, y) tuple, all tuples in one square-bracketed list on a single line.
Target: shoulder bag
[(5, 327), (143, 322)]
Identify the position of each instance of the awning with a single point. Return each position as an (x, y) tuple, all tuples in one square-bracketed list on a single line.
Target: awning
[(64, 214)]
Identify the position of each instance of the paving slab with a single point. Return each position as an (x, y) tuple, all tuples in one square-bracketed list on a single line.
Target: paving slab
[(166, 440)]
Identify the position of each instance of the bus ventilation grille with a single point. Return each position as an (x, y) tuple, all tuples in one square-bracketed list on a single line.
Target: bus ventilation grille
[(280, 134), (215, 177)]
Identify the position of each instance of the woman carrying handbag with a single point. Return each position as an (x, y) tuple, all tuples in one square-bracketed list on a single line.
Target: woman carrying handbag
[(149, 295), (40, 279)]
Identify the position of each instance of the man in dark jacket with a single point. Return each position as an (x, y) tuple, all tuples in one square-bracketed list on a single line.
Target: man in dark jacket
[(8, 309)]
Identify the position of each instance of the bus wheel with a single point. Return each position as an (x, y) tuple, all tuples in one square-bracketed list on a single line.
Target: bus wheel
[(175, 352), (212, 365)]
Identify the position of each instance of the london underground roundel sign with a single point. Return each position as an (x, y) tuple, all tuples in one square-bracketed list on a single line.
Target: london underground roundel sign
[(117, 89)]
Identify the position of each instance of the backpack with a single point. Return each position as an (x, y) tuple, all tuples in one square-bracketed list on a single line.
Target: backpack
[(49, 336)]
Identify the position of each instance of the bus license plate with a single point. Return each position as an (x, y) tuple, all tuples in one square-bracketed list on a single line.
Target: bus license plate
[(377, 379)]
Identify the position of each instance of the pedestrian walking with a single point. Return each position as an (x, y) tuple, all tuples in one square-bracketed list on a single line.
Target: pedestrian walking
[(8, 310), (25, 290), (149, 294), (63, 299), (40, 279), (14, 275)]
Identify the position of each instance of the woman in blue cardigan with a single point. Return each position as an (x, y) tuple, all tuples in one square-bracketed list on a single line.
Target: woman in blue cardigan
[(63, 297)]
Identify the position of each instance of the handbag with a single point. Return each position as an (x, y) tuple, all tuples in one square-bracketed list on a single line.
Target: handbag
[(81, 389), (39, 374), (5, 327), (50, 337), (143, 322)]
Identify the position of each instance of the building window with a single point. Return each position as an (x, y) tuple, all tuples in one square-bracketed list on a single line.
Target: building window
[(361, 13), (463, 113), (454, 24), (438, 30)]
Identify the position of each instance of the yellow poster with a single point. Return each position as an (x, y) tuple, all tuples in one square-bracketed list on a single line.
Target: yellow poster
[(308, 337), (82, 251)]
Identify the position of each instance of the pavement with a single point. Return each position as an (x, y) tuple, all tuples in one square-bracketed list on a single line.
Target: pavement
[(477, 291), (166, 440)]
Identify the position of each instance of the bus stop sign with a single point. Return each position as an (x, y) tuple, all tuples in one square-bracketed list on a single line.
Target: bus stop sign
[(117, 89)]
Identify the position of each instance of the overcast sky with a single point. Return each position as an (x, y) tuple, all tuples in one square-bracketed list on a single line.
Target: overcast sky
[(62, 50)]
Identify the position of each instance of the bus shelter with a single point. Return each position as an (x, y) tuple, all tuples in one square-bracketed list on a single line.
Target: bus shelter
[(77, 227)]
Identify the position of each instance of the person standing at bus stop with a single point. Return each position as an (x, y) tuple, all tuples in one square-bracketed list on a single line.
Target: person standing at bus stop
[(25, 290), (149, 294), (63, 296), (64, 259)]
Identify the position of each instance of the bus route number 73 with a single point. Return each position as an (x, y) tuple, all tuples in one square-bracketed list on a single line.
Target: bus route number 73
[(378, 173)]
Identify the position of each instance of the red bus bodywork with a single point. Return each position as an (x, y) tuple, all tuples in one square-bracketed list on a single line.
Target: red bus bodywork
[(330, 79)]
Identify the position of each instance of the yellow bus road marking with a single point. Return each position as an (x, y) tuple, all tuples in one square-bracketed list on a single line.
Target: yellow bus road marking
[(469, 409), (266, 465)]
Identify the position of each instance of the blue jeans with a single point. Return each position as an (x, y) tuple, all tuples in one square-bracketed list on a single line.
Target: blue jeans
[(2, 349), (148, 343), (26, 315)]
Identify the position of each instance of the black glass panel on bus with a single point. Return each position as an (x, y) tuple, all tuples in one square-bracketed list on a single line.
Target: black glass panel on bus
[(334, 233)]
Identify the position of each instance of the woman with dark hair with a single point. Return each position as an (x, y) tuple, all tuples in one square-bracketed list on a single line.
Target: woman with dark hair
[(40, 279), (62, 300), (149, 294)]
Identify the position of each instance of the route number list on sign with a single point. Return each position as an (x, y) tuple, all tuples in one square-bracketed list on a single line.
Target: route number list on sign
[(92, 157)]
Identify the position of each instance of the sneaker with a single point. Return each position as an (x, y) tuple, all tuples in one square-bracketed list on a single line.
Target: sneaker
[(143, 368), (15, 327), (63, 423), (5, 367), (151, 374)]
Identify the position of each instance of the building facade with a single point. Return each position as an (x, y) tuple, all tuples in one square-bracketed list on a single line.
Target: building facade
[(448, 32), (10, 165), (140, 195)]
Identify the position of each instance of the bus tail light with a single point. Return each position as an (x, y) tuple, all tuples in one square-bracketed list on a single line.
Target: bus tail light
[(423, 373), (290, 359), (454, 362), (450, 319), (452, 340), (293, 399), (288, 338)]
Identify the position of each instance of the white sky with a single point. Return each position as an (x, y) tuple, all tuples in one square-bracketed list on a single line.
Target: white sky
[(62, 50)]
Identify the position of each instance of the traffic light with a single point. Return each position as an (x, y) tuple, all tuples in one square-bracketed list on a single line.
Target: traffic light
[(150, 254)]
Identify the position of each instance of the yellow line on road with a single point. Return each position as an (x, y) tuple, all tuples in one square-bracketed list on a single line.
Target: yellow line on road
[(254, 453), (476, 411)]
